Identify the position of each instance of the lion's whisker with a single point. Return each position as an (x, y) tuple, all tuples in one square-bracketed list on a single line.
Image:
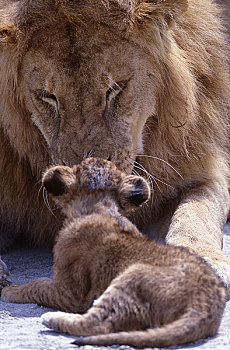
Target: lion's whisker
[(156, 178), (45, 198), (136, 173), (150, 177), (162, 160), (140, 167), (164, 183), (114, 84), (39, 191)]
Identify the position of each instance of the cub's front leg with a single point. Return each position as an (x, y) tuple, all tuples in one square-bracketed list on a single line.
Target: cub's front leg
[(49, 293), (198, 225), (43, 291)]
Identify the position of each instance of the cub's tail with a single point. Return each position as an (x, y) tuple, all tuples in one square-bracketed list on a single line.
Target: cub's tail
[(190, 327)]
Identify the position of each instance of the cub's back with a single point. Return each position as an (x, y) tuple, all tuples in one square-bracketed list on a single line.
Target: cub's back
[(107, 246)]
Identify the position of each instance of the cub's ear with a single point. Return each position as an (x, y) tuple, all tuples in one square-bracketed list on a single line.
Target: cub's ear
[(57, 180), (159, 9), (8, 33), (133, 191)]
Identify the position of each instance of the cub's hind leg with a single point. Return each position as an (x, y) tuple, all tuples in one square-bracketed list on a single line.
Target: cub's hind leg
[(119, 307)]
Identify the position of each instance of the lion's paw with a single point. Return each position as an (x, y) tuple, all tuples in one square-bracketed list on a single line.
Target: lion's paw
[(222, 269), (5, 279)]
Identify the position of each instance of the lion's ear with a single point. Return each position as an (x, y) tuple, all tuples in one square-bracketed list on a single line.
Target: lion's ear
[(159, 9), (133, 191), (8, 33)]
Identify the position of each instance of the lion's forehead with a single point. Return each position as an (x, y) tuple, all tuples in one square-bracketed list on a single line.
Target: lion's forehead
[(84, 48), (92, 63), (114, 14)]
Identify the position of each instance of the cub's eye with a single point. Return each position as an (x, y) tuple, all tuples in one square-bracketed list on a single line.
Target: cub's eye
[(48, 98), (114, 90)]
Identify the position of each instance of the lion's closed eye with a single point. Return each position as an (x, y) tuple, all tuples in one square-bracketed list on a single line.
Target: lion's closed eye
[(114, 90), (49, 98)]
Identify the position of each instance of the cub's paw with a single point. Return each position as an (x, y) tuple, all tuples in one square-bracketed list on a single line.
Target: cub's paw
[(12, 294), (51, 319), (5, 279)]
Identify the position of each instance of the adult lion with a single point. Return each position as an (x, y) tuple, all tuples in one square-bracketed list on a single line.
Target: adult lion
[(143, 83)]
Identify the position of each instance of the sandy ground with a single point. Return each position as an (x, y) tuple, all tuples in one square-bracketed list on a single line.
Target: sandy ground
[(20, 324)]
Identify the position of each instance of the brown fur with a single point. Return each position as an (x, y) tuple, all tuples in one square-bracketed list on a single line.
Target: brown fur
[(151, 294), (226, 6), (5, 279), (59, 59)]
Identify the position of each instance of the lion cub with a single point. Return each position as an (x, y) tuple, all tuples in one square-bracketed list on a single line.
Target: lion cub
[(148, 294)]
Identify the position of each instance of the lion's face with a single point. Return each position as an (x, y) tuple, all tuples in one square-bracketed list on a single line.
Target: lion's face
[(89, 92), (104, 79)]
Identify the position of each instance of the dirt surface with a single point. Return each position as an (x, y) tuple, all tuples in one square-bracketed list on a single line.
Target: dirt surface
[(20, 324)]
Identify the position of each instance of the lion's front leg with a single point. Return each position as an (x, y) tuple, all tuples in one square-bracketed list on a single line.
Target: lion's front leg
[(198, 225)]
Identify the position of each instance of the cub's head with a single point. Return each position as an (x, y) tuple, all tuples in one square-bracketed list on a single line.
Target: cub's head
[(95, 178)]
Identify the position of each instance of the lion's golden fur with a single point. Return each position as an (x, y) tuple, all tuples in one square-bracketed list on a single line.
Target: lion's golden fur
[(61, 59)]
